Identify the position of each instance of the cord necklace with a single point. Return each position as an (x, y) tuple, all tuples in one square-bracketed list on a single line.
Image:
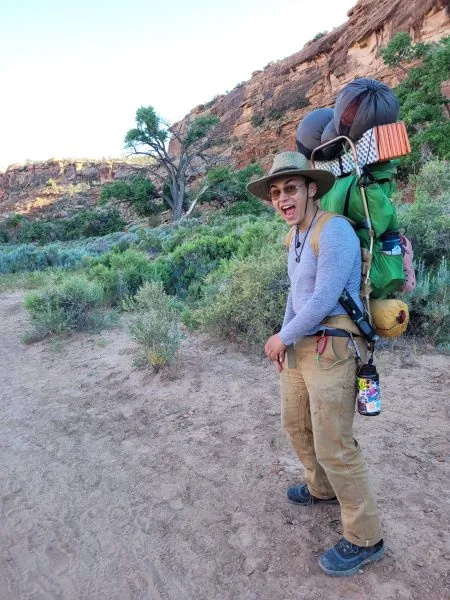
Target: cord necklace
[(297, 243)]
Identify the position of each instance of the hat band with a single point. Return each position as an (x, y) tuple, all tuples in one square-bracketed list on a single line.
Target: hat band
[(286, 169)]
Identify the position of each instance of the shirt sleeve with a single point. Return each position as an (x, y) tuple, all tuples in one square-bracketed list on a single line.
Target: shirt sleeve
[(289, 313), (338, 250)]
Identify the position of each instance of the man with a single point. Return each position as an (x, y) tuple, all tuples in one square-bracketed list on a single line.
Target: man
[(315, 353)]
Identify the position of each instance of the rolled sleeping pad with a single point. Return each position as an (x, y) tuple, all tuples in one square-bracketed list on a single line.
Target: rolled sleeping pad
[(310, 129), (335, 150), (390, 317), (363, 104)]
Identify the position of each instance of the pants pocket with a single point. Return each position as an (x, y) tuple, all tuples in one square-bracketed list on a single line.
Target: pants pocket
[(337, 350)]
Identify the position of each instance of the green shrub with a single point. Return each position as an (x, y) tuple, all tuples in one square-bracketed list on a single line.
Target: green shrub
[(257, 120), (275, 114), (429, 304), (52, 186), (77, 188), (189, 319), (138, 191), (319, 35), (300, 102), (228, 185), (87, 223), (156, 329), (211, 102), (256, 236), (15, 258), (26, 257), (427, 219), (63, 308), (422, 105), (246, 303), (122, 274), (26, 281), (193, 260), (252, 206)]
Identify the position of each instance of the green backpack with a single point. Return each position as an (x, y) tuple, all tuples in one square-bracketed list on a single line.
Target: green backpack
[(344, 198)]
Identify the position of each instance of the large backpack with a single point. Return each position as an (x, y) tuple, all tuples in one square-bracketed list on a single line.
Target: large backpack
[(390, 317), (344, 198)]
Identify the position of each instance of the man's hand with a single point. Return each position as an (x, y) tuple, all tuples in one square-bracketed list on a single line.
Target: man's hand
[(275, 351)]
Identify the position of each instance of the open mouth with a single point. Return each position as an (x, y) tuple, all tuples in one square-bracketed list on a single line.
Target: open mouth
[(288, 210)]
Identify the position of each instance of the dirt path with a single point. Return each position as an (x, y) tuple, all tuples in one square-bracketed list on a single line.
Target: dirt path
[(120, 485)]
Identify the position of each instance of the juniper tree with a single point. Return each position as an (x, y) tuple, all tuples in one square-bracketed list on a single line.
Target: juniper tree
[(189, 152)]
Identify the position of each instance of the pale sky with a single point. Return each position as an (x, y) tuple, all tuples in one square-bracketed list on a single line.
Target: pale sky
[(73, 74)]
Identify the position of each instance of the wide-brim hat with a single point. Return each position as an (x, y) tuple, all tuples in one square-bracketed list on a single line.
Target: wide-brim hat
[(291, 163)]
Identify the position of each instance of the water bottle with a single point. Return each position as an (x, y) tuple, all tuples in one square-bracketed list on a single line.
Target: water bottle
[(368, 390), (391, 243)]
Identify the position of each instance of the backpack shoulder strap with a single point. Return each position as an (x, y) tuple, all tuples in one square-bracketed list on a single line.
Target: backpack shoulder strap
[(315, 234), (288, 238), (321, 222)]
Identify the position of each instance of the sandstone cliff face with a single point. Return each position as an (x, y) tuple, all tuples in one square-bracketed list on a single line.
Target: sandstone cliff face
[(317, 73), (38, 173), (25, 187)]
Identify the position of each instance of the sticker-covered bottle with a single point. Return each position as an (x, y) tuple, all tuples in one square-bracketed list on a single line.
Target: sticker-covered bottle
[(368, 391)]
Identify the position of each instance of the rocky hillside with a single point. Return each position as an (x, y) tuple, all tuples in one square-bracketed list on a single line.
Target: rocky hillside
[(261, 115), (55, 186)]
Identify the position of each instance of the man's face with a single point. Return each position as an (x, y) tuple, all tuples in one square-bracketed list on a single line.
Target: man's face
[(289, 196)]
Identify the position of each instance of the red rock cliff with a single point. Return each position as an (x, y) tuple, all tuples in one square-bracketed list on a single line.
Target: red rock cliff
[(19, 184), (317, 73)]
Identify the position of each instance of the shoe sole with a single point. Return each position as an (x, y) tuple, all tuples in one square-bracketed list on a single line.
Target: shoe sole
[(313, 503), (377, 556)]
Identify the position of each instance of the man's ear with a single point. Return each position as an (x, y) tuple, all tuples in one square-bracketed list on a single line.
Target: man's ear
[(312, 189)]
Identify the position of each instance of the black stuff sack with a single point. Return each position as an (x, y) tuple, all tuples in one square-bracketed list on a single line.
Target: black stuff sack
[(310, 129), (334, 150), (363, 104)]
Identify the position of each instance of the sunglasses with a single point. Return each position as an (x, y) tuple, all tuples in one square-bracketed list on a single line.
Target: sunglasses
[(290, 190)]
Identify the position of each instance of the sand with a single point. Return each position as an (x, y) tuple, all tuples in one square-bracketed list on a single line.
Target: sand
[(120, 484)]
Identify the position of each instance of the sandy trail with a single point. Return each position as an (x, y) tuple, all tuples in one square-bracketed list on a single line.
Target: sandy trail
[(116, 484)]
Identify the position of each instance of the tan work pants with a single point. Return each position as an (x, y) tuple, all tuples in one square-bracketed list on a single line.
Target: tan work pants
[(318, 406)]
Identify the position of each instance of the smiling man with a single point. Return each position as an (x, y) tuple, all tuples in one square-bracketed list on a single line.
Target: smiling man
[(315, 352)]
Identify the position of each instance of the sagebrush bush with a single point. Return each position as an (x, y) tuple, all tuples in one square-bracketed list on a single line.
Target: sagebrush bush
[(64, 307), (86, 223), (65, 255), (156, 329), (246, 303)]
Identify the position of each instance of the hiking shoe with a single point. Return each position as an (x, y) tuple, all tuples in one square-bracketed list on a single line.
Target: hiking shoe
[(346, 559), (299, 494)]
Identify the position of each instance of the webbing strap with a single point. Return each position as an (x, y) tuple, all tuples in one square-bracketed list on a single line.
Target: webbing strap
[(288, 239), (292, 358), (321, 222)]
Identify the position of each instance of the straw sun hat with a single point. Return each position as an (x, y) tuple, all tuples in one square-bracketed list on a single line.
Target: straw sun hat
[(291, 163)]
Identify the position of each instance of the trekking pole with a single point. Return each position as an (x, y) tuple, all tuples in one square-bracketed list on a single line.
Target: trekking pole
[(368, 221)]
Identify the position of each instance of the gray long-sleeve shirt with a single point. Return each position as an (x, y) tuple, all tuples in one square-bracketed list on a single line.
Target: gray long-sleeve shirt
[(318, 281)]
